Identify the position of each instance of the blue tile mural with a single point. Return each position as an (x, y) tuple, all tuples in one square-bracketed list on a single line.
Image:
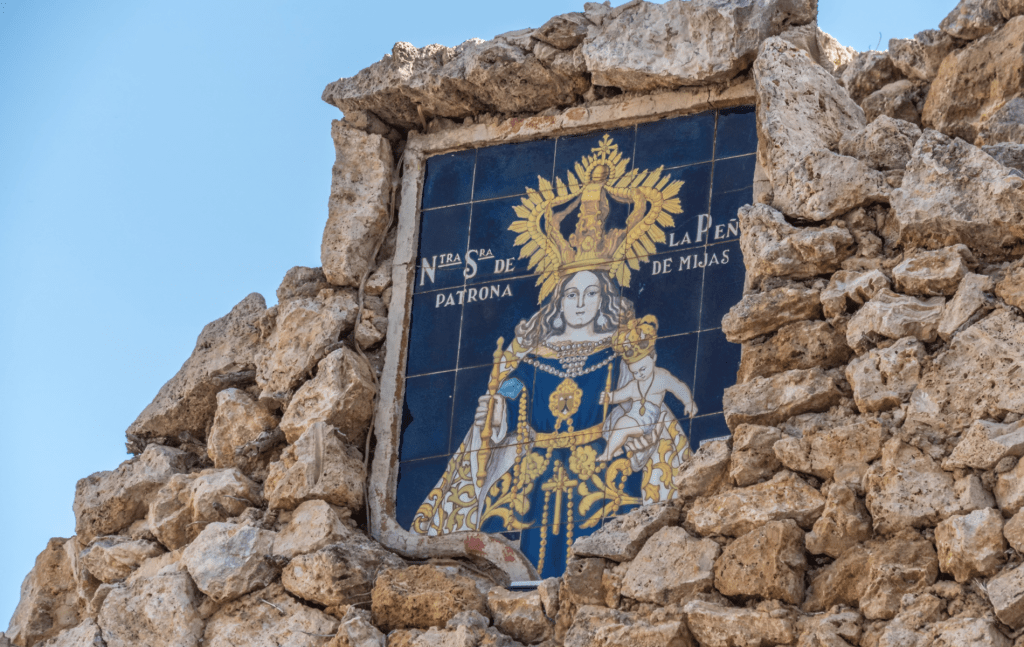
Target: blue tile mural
[(566, 355)]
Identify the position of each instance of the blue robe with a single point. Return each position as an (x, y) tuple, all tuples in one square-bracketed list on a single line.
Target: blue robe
[(552, 526)]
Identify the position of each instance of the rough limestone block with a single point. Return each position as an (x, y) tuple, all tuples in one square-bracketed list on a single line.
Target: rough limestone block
[(600, 626), (977, 632), (157, 611), (108, 502), (970, 303), (976, 81), (112, 559), (971, 494), (953, 192), (844, 523), (716, 625), (303, 332), (934, 273), (224, 357), (87, 634), (847, 288), (1013, 531), (339, 574), (228, 560), (341, 395), (476, 77), (49, 603), (1009, 154), (770, 400), (621, 538), (314, 525), (884, 378), (1011, 8), (767, 562), (799, 345), (239, 419), (519, 614), (1006, 592), (317, 466), (886, 144), (270, 618), (358, 206), (705, 470), (821, 451), (945, 404), (830, 629), (761, 313), (971, 545), (892, 316), (907, 489), (897, 100), (803, 113), (1004, 126), (179, 510), (423, 597), (972, 19), (919, 57), (1010, 490), (356, 630), (737, 512), (985, 444), (671, 566), (875, 575), (773, 247), (1011, 288), (867, 72), (753, 454), (650, 46), (302, 282)]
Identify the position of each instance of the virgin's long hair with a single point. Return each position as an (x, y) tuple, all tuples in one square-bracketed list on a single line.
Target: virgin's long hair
[(548, 321)]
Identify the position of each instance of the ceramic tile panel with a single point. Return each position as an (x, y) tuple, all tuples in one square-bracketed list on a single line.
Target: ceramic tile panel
[(445, 182), (737, 132), (427, 416), (607, 297), (443, 248)]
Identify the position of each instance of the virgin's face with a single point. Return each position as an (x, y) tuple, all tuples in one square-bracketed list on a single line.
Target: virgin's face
[(581, 299)]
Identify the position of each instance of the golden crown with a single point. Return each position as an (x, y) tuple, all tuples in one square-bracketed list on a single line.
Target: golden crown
[(598, 177), (635, 339)]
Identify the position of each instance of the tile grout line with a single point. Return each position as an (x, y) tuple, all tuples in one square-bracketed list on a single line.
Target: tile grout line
[(450, 454), (677, 335), (700, 305)]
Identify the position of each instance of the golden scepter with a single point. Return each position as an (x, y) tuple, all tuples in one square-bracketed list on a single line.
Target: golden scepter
[(608, 390), (485, 434)]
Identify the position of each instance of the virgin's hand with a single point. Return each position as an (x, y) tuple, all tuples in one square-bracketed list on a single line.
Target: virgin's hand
[(481, 410), (605, 398)]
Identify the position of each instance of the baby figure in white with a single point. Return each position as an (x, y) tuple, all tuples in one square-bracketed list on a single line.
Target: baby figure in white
[(645, 393)]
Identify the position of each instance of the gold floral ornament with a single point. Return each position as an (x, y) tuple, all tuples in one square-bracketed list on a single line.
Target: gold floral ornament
[(533, 467), (635, 340), (583, 461), (598, 177), (565, 402)]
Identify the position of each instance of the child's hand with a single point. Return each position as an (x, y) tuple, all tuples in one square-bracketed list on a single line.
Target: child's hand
[(605, 398), (690, 409)]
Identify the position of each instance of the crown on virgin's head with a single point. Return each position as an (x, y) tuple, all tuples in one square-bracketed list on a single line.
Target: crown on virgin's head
[(635, 339), (591, 246)]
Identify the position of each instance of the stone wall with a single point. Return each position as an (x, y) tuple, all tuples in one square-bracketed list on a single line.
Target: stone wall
[(870, 494)]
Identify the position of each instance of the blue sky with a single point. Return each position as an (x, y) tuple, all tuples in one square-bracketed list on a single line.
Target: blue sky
[(160, 161)]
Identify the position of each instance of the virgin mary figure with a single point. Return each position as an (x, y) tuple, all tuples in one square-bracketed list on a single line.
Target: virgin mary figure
[(529, 462)]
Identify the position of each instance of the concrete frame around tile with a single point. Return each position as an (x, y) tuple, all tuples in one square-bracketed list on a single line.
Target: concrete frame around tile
[(384, 476)]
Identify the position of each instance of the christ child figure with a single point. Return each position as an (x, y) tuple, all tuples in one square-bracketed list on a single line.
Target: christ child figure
[(645, 393)]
